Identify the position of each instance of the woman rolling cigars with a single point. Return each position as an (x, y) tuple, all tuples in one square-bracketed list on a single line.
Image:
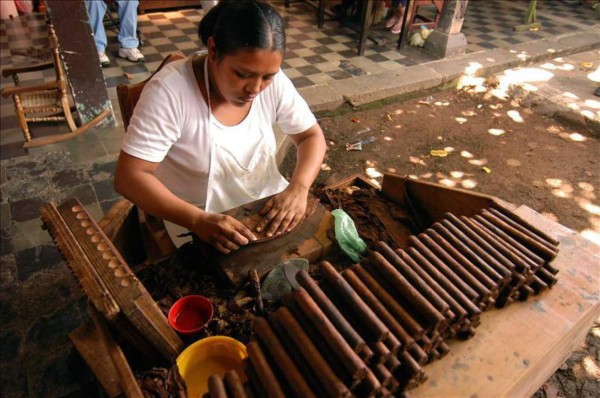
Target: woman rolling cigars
[(201, 138)]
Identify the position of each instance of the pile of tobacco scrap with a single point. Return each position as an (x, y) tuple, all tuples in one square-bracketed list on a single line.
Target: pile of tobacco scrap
[(376, 218), (162, 383)]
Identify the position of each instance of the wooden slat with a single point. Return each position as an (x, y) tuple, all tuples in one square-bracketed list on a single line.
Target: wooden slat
[(88, 342)]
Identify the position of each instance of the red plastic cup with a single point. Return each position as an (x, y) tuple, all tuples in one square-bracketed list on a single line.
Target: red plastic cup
[(190, 314)]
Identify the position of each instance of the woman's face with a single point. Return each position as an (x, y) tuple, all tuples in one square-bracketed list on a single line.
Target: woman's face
[(241, 76)]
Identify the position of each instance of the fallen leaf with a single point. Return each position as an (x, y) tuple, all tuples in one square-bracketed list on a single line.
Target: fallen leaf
[(438, 152), (355, 120), (388, 117), (486, 169), (587, 64)]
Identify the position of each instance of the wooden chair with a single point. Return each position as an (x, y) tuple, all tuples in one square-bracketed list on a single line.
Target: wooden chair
[(129, 94), (45, 102), (157, 242)]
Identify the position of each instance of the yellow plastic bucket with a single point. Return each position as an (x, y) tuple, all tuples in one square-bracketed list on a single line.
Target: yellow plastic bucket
[(209, 356)]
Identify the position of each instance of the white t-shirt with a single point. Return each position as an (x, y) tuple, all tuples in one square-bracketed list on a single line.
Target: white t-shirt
[(170, 126)]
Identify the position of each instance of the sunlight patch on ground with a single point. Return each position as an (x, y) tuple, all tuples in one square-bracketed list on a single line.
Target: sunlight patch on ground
[(551, 50), (577, 137), (468, 81), (427, 175), (515, 116), (468, 113), (457, 174), (589, 114), (460, 120), (391, 170), (553, 129), (466, 154), (386, 138), (592, 103), (592, 236), (595, 75), (521, 76), (554, 182), (468, 184), (440, 103), (570, 95), (373, 173), (496, 132), (398, 126), (416, 160), (478, 162), (586, 205), (513, 163), (447, 182), (325, 167), (414, 177), (449, 149)]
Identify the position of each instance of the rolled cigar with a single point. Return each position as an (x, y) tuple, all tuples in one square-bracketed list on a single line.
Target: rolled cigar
[(265, 376), (534, 245), (321, 370), (288, 369), (512, 243), (347, 356), (464, 249), (369, 297), (370, 386), (410, 275), (393, 363), (465, 264), (383, 375), (402, 316), (546, 276), (514, 216), (332, 313), (419, 355), (420, 264), (498, 245), (256, 387), (234, 385), (382, 352), (526, 232), (355, 303), (459, 276), (482, 248), (216, 387), (405, 290)]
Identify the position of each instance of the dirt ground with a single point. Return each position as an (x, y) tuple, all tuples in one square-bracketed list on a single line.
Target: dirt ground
[(491, 146)]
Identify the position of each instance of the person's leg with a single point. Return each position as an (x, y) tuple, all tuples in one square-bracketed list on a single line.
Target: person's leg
[(128, 30), (96, 11), (401, 9), (394, 17)]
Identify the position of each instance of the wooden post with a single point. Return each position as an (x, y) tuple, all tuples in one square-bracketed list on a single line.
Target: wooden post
[(447, 40)]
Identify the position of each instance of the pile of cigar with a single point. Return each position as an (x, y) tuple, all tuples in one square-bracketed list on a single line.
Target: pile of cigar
[(368, 330)]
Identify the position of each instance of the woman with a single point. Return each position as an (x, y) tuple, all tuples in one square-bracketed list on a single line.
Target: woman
[(201, 139)]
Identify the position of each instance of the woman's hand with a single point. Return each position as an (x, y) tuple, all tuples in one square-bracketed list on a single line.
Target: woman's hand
[(284, 211), (224, 233)]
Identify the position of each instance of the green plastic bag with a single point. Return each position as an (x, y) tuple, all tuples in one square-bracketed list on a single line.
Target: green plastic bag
[(347, 236)]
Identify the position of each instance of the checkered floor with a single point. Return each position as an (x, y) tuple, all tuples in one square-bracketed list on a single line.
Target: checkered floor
[(314, 56)]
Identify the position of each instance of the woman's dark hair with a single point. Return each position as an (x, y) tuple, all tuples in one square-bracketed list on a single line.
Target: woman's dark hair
[(243, 25)]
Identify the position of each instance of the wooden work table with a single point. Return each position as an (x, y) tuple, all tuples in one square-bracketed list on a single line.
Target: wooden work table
[(517, 348)]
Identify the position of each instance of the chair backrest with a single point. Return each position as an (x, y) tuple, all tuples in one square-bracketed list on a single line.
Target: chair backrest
[(129, 94)]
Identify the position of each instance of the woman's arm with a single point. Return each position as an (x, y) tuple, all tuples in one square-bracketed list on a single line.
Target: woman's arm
[(286, 210), (135, 180)]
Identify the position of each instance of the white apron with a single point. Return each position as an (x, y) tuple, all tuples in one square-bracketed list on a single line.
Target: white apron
[(231, 183)]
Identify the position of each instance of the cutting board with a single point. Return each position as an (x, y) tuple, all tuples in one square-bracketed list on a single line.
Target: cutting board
[(308, 240)]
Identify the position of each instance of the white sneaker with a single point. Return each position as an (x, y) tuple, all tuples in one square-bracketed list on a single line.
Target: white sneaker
[(104, 61), (132, 54)]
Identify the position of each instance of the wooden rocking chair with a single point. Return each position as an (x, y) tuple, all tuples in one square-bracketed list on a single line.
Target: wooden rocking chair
[(45, 102)]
